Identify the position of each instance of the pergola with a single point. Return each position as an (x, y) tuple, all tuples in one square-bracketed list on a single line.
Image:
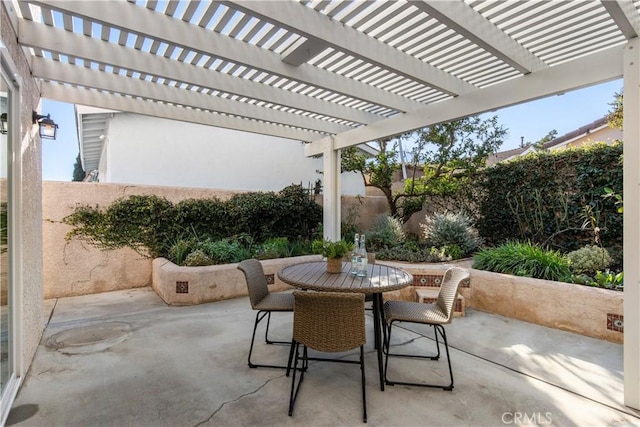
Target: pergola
[(337, 73)]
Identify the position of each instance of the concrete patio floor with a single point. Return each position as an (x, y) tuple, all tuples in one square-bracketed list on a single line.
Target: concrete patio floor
[(186, 366)]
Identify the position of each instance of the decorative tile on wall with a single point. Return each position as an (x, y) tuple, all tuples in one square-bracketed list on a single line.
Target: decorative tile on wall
[(270, 279), (182, 287), (433, 280), (615, 322), (427, 280)]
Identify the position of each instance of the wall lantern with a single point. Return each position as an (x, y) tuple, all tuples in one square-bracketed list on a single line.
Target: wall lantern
[(48, 128), (4, 128)]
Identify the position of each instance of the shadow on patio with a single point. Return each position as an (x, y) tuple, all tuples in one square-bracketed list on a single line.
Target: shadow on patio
[(186, 366)]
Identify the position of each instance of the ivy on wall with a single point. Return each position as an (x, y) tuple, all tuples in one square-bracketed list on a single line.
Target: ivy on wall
[(151, 225), (557, 199)]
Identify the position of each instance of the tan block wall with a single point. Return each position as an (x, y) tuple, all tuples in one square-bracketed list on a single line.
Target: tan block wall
[(76, 268)]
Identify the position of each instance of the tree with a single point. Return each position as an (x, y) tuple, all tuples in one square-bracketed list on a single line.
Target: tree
[(443, 157), (539, 144), (550, 136), (615, 116), (78, 172)]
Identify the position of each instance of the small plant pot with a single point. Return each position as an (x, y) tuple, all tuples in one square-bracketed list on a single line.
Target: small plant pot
[(334, 265)]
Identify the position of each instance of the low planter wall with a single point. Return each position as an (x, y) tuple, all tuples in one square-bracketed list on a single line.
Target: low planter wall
[(178, 285), (594, 312), (588, 311)]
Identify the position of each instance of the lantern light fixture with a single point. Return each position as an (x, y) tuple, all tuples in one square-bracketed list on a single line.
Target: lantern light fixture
[(4, 128), (48, 128)]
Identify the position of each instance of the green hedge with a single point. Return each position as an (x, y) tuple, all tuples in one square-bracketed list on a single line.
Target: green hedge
[(152, 224), (554, 199)]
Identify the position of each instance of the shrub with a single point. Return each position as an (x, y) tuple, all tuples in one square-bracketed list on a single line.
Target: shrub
[(224, 251), (197, 258), (589, 259), (179, 251), (386, 231), (541, 197), (409, 252), (523, 259), (151, 225), (449, 230), (274, 248)]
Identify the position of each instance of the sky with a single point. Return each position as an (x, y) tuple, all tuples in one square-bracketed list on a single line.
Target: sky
[(532, 120)]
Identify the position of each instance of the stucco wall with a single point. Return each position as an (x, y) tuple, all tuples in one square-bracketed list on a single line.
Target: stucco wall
[(29, 153), (77, 268), (142, 150)]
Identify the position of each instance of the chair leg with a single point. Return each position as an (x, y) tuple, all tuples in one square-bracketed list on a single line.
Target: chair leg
[(438, 329), (446, 347), (266, 333), (364, 389), (294, 389), (259, 316)]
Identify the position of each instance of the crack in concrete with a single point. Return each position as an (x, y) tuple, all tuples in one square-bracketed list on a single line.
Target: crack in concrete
[(242, 396)]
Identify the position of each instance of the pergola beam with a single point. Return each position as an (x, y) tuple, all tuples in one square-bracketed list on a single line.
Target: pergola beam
[(93, 98), (597, 68), (466, 21), (625, 15), (302, 51), (87, 48), (310, 24), (80, 76), (192, 37)]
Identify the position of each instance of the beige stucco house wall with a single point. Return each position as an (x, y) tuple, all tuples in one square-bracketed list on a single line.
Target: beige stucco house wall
[(28, 154)]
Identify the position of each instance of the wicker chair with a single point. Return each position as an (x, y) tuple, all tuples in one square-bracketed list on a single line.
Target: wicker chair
[(327, 322), (437, 314), (265, 302)]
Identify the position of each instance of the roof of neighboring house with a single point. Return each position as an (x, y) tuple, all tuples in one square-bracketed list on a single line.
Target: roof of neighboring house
[(505, 155), (554, 143), (584, 130)]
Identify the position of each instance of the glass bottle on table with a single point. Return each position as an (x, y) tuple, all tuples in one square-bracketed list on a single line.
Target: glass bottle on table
[(362, 258), (354, 254)]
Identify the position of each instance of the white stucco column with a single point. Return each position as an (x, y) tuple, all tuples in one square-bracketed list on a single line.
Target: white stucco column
[(331, 191), (631, 225)]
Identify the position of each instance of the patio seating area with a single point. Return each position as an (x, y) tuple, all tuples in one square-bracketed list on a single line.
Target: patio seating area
[(126, 358)]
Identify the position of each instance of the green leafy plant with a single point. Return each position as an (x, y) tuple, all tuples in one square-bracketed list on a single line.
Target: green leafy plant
[(386, 231), (197, 258), (409, 252), (224, 251), (602, 279), (589, 259), (523, 259), (609, 280), (180, 249), (542, 198), (152, 225), (331, 249), (453, 231), (274, 248)]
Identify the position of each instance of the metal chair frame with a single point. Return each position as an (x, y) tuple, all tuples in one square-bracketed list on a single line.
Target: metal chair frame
[(258, 294), (357, 301), (443, 307)]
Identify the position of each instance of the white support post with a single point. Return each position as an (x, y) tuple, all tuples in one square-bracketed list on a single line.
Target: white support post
[(331, 191), (631, 225)]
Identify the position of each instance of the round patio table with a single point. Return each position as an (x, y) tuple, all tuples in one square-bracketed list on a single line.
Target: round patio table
[(380, 278)]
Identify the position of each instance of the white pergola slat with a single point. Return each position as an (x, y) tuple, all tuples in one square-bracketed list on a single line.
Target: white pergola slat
[(337, 73)]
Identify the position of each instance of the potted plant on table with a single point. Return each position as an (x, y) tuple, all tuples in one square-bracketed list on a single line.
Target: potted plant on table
[(333, 251)]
